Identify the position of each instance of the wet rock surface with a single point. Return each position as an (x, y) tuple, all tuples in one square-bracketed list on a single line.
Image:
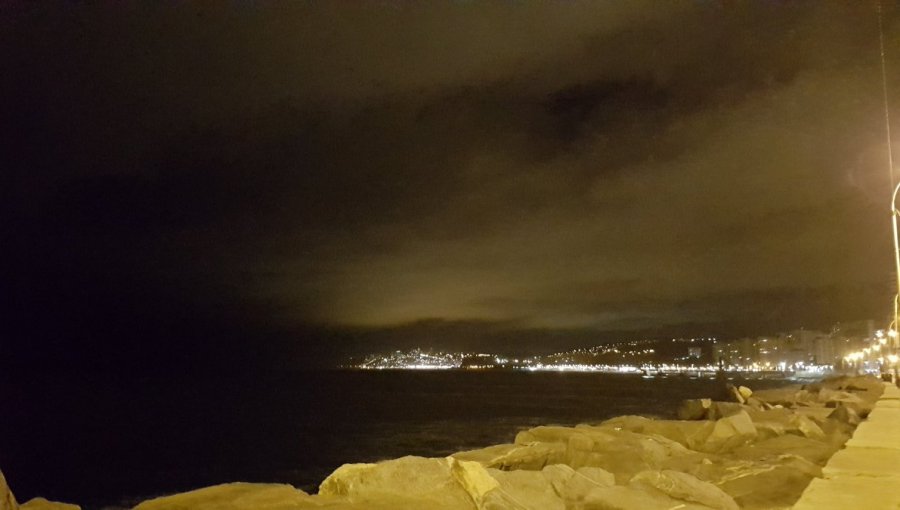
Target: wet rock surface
[(758, 451)]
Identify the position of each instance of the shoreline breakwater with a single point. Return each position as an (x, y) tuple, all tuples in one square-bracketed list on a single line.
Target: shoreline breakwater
[(749, 450)]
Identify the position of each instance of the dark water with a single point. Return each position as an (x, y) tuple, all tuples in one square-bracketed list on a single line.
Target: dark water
[(101, 441)]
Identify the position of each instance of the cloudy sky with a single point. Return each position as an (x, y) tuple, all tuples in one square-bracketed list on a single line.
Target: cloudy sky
[(204, 175)]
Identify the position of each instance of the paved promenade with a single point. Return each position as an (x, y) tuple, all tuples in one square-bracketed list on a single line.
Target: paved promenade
[(866, 473)]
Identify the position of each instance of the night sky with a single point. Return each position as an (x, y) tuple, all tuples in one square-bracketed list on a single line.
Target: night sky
[(207, 184)]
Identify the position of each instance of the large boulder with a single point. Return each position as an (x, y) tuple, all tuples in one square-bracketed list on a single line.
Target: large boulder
[(620, 452), (837, 432), (729, 433), (7, 500), (685, 487), (43, 504), (720, 410), (634, 498), (694, 409), (575, 488), (816, 413), (767, 485), (533, 456), (553, 487), (827, 395), (230, 496), (805, 421), (525, 490), (833, 398), (807, 427), (545, 434), (488, 456), (867, 387), (690, 434), (787, 396), (817, 452), (734, 393), (474, 479), (403, 482), (845, 414), (777, 415)]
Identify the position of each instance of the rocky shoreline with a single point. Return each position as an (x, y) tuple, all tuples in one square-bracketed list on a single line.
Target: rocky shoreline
[(750, 450)]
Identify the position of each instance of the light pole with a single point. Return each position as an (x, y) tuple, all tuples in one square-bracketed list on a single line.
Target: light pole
[(892, 331), (890, 162)]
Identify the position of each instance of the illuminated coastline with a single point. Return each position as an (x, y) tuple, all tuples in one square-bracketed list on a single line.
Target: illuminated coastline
[(798, 353)]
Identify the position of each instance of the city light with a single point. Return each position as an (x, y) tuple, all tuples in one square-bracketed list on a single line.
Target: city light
[(802, 353)]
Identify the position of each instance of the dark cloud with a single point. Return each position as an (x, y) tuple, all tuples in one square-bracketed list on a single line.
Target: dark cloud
[(580, 166)]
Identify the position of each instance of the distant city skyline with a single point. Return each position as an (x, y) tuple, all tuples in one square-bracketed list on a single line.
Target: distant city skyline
[(800, 349)]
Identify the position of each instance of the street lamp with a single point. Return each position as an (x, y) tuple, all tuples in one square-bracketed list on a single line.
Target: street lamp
[(894, 214), (892, 331), (890, 162)]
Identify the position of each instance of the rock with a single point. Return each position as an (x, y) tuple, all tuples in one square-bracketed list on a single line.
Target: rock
[(861, 406), (802, 421), (407, 481), (691, 434), (870, 385), (816, 413), (532, 456), (685, 487), (552, 488), (230, 496), (43, 504), (583, 481), (764, 486), (724, 409), (755, 403), (745, 392), (827, 396), (620, 452), (559, 476), (778, 415), (807, 427), (845, 414), (803, 397), (730, 433), (785, 396), (474, 479), (545, 434), (712, 467), (836, 432), (734, 393), (817, 452), (694, 409), (525, 490), (486, 456), (633, 498), (768, 429), (7, 500)]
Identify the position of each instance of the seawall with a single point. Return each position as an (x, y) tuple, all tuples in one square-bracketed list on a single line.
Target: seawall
[(866, 473)]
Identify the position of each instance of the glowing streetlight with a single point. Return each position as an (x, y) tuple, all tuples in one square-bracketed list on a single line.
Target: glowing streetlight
[(894, 213), (890, 162)]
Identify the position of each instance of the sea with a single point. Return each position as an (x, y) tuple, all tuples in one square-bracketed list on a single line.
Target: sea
[(109, 442)]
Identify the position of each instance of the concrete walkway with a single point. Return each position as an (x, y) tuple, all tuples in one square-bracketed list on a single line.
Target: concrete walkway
[(866, 473)]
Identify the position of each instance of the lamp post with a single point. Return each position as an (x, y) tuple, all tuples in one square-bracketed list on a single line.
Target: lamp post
[(890, 162), (892, 331)]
